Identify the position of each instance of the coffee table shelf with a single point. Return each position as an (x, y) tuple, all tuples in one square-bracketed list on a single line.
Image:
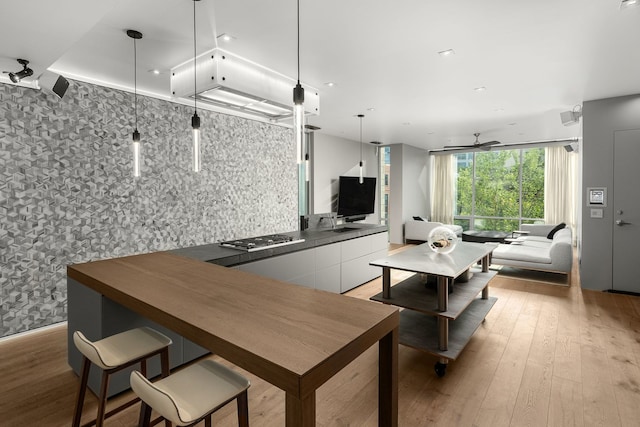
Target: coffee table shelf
[(420, 331), (412, 293), (434, 320)]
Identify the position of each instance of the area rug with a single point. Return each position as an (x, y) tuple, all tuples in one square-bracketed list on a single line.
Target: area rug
[(530, 275)]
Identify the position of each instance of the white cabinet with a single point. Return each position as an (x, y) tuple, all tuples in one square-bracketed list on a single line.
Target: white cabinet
[(327, 274), (336, 267), (356, 254), (296, 267)]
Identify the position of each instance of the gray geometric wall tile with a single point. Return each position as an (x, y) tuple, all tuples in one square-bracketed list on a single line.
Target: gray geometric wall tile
[(67, 194)]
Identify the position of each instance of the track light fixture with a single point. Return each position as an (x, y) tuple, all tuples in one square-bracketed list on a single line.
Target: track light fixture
[(25, 72)]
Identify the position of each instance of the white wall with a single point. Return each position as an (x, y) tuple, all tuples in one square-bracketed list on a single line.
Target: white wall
[(408, 180), (331, 157)]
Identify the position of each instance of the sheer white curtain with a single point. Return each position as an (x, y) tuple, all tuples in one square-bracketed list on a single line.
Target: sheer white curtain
[(560, 185), (442, 188)]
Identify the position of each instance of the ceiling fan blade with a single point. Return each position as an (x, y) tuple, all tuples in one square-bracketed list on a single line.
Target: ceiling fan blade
[(458, 146), (489, 143)]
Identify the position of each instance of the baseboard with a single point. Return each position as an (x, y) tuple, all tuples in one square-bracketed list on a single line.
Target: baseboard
[(615, 291)]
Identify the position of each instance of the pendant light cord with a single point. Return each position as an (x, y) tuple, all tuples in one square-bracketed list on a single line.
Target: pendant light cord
[(361, 116), (135, 82), (195, 108), (298, 13)]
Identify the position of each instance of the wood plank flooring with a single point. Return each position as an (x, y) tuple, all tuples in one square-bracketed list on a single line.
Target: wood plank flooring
[(546, 355)]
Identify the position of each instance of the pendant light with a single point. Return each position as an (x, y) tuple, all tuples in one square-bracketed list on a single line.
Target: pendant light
[(135, 35), (298, 108), (361, 116), (195, 120)]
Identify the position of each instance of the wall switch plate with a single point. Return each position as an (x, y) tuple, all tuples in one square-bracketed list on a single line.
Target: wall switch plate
[(596, 213)]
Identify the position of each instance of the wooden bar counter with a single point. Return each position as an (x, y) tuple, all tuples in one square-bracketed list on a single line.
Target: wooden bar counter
[(293, 337)]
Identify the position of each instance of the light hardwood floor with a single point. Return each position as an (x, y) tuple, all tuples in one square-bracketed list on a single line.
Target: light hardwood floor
[(545, 356)]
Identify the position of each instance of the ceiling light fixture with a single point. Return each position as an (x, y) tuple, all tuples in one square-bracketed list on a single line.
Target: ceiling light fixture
[(448, 52), (195, 119), (480, 89), (361, 116), (226, 37), (298, 101), (625, 4), (135, 35), (25, 72)]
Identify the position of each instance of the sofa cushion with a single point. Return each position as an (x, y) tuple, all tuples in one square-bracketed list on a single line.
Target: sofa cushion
[(535, 243), (555, 229), (522, 253)]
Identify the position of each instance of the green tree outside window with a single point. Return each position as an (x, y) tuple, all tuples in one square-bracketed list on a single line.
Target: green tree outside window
[(499, 190)]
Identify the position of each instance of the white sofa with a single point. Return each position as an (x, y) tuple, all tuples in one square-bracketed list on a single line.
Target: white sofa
[(419, 230), (535, 251)]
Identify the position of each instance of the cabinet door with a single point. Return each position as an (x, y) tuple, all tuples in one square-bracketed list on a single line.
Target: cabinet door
[(296, 267), (356, 256), (328, 267), (356, 248), (357, 271)]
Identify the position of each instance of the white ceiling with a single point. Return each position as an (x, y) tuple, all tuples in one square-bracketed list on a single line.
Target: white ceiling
[(536, 58)]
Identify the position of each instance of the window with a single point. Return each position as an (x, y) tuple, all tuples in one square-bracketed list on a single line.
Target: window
[(385, 164), (499, 190)]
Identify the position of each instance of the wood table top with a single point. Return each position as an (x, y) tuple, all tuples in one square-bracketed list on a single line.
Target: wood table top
[(293, 337)]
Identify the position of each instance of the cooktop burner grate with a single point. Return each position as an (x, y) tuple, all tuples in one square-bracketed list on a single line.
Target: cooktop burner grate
[(262, 242)]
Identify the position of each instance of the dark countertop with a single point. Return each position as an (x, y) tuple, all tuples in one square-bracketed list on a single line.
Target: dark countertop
[(216, 254)]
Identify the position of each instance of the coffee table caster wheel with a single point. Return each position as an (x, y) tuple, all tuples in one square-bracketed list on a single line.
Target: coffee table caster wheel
[(441, 369)]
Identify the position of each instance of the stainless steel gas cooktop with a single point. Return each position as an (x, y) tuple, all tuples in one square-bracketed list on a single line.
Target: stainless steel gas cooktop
[(259, 243)]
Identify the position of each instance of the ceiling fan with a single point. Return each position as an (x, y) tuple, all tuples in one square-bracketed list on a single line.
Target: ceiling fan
[(485, 146)]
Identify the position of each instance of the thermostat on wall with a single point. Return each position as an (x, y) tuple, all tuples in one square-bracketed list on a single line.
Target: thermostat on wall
[(597, 196)]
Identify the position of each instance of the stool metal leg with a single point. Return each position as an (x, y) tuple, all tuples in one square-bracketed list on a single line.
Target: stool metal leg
[(243, 409), (84, 378), (164, 363), (145, 415), (104, 387)]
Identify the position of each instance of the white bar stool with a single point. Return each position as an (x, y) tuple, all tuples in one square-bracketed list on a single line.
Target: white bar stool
[(113, 354), (192, 394)]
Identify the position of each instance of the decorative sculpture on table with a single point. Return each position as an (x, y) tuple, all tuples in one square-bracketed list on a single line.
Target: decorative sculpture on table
[(442, 240)]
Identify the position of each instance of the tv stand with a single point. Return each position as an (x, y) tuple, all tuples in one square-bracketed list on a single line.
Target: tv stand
[(354, 218)]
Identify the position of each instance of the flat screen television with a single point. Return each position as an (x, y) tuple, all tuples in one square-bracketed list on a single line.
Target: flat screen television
[(355, 199)]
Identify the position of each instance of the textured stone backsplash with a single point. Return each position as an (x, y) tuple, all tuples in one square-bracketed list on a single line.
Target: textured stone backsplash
[(67, 194)]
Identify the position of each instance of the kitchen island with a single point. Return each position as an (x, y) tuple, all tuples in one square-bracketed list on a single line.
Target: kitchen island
[(293, 337)]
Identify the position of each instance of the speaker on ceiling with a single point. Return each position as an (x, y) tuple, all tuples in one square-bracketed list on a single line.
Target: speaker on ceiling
[(53, 83), (569, 118)]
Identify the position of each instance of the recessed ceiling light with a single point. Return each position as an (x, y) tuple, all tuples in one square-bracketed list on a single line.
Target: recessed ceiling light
[(480, 89), (371, 109), (624, 4), (448, 52), (330, 84), (155, 72), (226, 37), (512, 124)]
